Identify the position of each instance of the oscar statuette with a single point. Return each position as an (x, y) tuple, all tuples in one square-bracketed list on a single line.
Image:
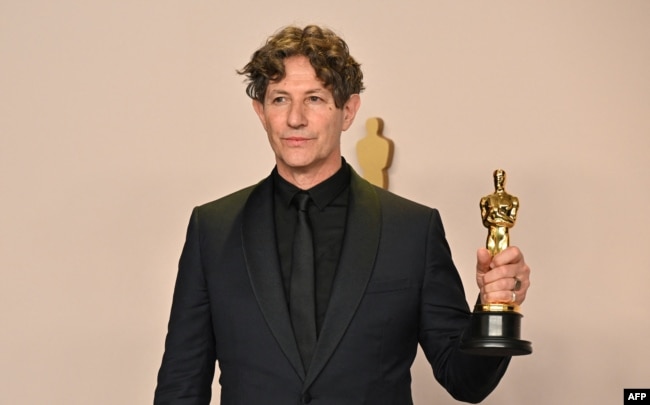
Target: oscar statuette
[(495, 326)]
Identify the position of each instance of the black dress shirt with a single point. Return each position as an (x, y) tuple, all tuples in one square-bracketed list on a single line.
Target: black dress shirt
[(327, 214)]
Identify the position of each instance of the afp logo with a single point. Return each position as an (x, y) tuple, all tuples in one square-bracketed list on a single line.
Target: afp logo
[(636, 396)]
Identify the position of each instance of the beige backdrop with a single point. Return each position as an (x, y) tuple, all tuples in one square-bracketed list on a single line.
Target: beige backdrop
[(117, 117)]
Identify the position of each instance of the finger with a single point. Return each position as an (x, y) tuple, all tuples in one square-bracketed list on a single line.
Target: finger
[(501, 290), (509, 272), (518, 269), (503, 284), (504, 297), (509, 255)]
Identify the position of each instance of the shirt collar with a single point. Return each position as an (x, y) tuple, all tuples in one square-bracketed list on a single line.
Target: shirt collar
[(322, 194)]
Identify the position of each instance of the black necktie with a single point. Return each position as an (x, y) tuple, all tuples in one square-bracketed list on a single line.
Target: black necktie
[(301, 297)]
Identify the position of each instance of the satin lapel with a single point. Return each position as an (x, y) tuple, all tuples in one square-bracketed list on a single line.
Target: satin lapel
[(358, 253), (260, 251)]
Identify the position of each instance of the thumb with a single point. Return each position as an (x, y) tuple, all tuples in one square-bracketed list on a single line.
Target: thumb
[(483, 260)]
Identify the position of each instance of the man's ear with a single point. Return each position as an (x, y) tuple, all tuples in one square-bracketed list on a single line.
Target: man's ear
[(259, 110), (350, 110)]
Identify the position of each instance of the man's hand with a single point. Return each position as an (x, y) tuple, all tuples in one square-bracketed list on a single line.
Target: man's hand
[(504, 278)]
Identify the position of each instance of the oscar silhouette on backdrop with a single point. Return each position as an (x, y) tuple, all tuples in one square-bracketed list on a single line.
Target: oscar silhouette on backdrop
[(375, 153)]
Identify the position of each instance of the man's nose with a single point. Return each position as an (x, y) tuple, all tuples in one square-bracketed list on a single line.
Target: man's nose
[(297, 117)]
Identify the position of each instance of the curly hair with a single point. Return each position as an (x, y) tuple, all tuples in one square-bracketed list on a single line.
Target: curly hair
[(326, 51)]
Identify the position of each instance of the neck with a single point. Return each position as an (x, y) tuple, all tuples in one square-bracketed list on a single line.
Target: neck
[(306, 178)]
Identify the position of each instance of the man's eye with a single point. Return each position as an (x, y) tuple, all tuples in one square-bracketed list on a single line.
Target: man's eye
[(314, 99), (279, 100)]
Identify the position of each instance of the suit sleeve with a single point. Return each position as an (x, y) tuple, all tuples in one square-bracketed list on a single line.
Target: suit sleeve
[(444, 318), (188, 364)]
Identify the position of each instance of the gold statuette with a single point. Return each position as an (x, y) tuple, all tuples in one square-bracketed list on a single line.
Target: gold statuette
[(499, 213), (495, 326)]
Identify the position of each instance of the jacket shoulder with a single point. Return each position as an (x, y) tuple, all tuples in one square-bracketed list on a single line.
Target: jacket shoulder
[(362, 186), (230, 203), (393, 201), (223, 212)]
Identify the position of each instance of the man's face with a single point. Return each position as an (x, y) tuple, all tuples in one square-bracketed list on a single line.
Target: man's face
[(302, 122)]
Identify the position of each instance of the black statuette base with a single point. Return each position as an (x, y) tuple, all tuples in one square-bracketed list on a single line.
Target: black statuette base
[(495, 333)]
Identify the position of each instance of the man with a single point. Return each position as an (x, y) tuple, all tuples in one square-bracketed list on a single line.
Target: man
[(384, 279)]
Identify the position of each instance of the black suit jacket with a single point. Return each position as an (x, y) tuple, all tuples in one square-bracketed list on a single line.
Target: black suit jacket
[(396, 286)]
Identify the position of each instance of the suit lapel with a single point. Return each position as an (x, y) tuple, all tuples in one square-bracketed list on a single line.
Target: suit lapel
[(358, 253), (263, 264)]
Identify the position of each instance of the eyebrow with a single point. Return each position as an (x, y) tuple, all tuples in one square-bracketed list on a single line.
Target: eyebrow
[(312, 91)]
